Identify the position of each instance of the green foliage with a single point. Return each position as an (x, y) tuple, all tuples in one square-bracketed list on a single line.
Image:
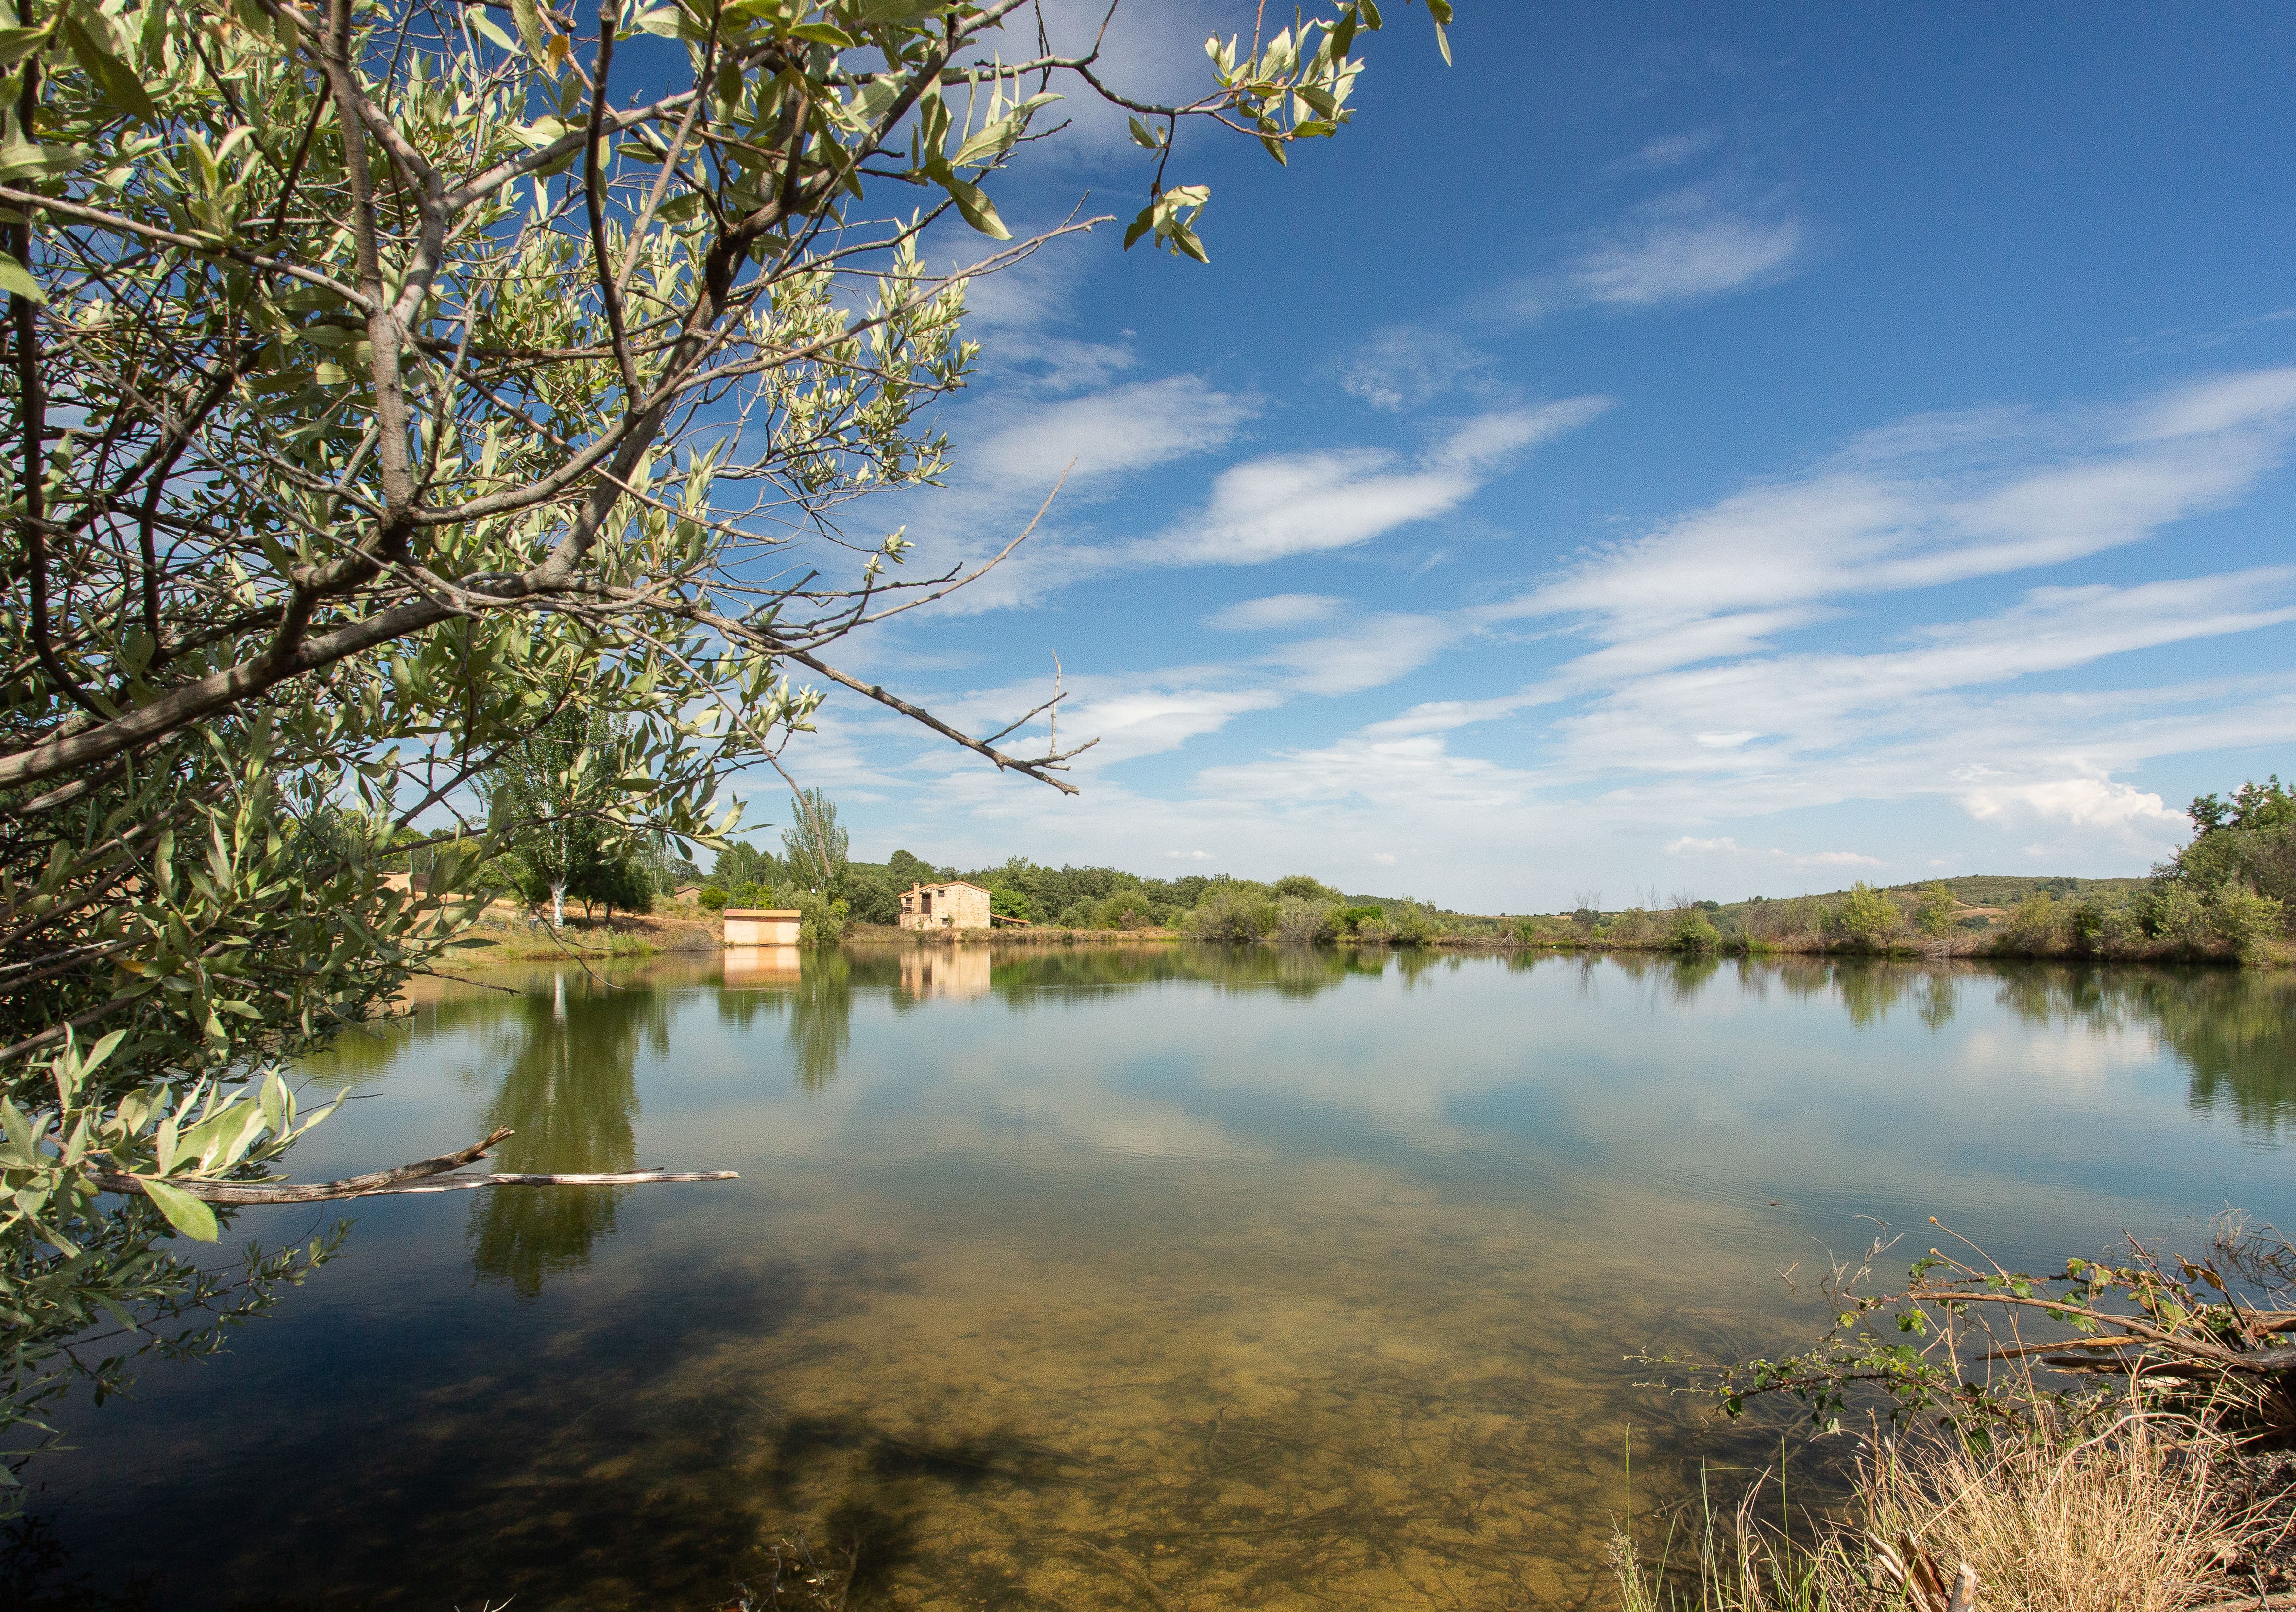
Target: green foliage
[(813, 845), (740, 864), (1126, 909), (1299, 887), (1306, 919), (2241, 918), (1865, 919), (1929, 1347), (1694, 933), (1933, 912), (713, 899), (1409, 924), (1353, 918), (1231, 911), (1009, 903), (2234, 886), (2035, 927), (871, 894)]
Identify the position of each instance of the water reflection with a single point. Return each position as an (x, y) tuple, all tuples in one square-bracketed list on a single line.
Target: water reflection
[(1108, 1276), (2233, 1030), (568, 1094), (817, 1000)]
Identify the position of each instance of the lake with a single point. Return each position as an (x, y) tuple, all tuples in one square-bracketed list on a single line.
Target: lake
[(1113, 1277)]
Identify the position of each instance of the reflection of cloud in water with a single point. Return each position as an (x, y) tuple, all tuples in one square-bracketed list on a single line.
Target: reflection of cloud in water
[(1219, 1279)]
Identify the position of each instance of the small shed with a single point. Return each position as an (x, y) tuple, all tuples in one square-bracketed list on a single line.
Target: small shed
[(761, 927), (686, 893)]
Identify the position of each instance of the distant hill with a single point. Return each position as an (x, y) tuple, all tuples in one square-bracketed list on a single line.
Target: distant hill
[(1990, 892)]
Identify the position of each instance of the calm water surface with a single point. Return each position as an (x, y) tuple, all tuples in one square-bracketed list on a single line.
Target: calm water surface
[(1121, 1278)]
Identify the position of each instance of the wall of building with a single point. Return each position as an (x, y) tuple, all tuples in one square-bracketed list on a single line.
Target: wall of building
[(761, 927)]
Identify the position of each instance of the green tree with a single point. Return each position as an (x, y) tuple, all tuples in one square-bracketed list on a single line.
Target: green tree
[(1866, 920), (377, 374), (1007, 901), (813, 845), (1231, 912), (1933, 912), (548, 797)]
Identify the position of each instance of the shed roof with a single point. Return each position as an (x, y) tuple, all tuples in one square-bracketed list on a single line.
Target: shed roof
[(943, 884)]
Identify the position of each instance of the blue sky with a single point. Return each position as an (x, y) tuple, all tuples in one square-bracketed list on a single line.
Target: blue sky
[(1725, 449)]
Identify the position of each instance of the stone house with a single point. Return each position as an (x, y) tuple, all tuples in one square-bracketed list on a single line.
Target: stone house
[(953, 906)]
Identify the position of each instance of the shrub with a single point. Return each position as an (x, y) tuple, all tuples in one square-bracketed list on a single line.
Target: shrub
[(1866, 919), (2240, 918), (1353, 918), (2176, 913), (1231, 913), (820, 922), (1933, 912), (1692, 933), (1305, 921), (1008, 903), (1124, 909), (713, 899), (1410, 925), (1303, 888), (2036, 925)]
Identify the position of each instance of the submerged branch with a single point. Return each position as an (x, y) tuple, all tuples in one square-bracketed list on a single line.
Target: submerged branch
[(423, 1175)]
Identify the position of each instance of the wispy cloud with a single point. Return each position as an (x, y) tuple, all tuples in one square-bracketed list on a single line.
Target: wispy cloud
[(1684, 247), (1916, 507), (1408, 366), (1667, 150), (1105, 434), (1276, 611), (1297, 503)]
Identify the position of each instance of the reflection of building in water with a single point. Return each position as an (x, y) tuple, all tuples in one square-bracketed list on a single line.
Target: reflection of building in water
[(763, 966), (960, 971)]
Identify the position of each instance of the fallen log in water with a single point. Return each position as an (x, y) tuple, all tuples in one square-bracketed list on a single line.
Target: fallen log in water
[(423, 1175)]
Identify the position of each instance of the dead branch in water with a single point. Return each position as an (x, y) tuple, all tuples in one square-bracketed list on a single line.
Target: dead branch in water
[(423, 1175)]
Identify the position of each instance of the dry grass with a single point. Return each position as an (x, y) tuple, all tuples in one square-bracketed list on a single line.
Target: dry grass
[(2120, 1522), (2124, 1520)]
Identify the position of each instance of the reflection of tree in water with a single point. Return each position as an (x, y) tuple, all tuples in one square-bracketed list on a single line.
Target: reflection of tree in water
[(570, 1094), (819, 1006), (2233, 1029)]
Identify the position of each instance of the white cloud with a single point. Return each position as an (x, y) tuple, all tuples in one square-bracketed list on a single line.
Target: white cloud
[(1906, 509), (1372, 653), (1686, 253), (1296, 504), (1385, 859), (1275, 611), (2082, 802), (1667, 150), (1108, 434), (1405, 367)]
